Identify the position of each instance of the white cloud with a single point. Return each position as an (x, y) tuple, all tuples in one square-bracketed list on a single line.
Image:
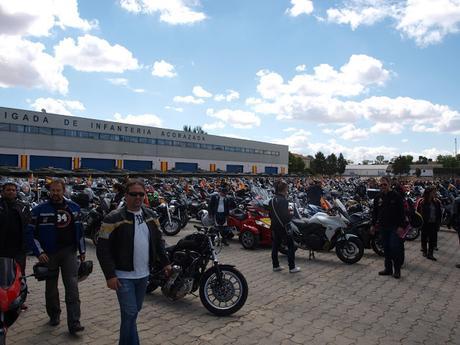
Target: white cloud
[(301, 68), (142, 120), (214, 125), (93, 54), (57, 106), (300, 7), (163, 69), (178, 109), (353, 78), (290, 129), (25, 64), (229, 97), (404, 140), (350, 132), (389, 127), (118, 81), (198, 91), (173, 12), (422, 20), (297, 141), (139, 90), (37, 18), (236, 118), (188, 100)]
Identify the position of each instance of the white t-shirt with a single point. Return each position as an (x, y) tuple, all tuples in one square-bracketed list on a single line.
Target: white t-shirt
[(141, 250), (221, 207)]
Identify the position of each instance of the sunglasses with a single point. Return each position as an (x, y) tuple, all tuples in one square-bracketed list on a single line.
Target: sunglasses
[(134, 194)]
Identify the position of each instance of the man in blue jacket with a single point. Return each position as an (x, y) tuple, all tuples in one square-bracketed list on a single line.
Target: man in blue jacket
[(55, 233)]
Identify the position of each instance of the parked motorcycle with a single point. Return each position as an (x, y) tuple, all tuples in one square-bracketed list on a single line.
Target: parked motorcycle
[(323, 232), (170, 224), (223, 289)]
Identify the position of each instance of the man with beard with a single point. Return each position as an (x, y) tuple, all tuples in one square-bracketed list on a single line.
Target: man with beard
[(55, 234)]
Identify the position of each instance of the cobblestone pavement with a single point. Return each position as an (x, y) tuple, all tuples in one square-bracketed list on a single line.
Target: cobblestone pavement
[(327, 303)]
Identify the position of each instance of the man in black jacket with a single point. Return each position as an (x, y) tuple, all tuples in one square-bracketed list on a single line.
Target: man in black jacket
[(14, 218), (130, 242), (219, 208), (388, 215), (280, 217)]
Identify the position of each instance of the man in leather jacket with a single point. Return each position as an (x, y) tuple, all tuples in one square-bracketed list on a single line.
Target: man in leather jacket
[(14, 218), (388, 215), (130, 242), (280, 217)]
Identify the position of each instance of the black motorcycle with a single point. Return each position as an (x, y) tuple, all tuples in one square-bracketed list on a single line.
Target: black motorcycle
[(170, 224), (178, 208), (223, 289), (360, 225)]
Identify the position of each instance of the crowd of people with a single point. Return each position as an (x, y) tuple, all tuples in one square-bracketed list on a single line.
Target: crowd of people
[(130, 239)]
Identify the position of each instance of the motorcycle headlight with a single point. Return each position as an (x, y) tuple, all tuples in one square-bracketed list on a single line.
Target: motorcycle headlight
[(172, 208)]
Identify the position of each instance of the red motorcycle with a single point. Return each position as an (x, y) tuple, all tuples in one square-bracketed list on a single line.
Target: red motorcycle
[(13, 291), (252, 225)]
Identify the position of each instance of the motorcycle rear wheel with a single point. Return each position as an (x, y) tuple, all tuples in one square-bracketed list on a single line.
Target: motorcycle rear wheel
[(226, 298), (377, 246), (171, 228), (350, 251)]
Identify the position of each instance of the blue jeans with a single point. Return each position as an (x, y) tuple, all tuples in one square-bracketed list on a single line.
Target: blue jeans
[(130, 295)]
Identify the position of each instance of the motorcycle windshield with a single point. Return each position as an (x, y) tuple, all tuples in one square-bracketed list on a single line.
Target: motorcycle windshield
[(7, 272)]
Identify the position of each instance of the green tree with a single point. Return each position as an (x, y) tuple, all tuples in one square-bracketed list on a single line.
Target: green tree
[(318, 164), (296, 164), (379, 159), (401, 165), (331, 164), (448, 161), (422, 160), (341, 164)]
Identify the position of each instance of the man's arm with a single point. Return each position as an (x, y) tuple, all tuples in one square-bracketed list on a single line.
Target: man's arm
[(103, 251)]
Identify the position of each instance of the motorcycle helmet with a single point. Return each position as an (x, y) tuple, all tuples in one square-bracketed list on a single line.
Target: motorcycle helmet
[(42, 272), (84, 270)]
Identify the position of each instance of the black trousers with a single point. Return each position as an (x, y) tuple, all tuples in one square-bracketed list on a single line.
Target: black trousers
[(429, 236), (66, 261), (277, 240)]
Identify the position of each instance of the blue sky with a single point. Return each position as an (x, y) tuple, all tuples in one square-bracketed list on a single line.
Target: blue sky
[(361, 77)]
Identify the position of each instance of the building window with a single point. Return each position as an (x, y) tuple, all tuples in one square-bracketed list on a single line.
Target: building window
[(71, 133), (45, 131), (4, 127), (17, 128)]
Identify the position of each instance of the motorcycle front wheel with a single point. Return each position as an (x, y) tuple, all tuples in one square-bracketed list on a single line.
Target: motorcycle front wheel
[(171, 228), (227, 296), (249, 240), (350, 251), (377, 246)]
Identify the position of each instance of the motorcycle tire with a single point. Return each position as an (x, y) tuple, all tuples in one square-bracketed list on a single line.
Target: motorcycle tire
[(412, 234), (377, 246), (210, 293), (248, 240), (344, 251), (171, 228)]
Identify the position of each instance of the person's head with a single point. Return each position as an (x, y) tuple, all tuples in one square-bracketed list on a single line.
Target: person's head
[(118, 188), (9, 191), (134, 194), (223, 190), (56, 190), (429, 194), (384, 184), (281, 187)]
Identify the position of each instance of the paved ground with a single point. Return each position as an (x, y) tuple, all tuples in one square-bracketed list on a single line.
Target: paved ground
[(327, 303)]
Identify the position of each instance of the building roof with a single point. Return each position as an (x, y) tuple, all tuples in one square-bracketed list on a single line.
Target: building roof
[(366, 167)]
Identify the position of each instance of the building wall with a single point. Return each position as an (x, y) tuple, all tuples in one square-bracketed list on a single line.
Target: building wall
[(54, 135)]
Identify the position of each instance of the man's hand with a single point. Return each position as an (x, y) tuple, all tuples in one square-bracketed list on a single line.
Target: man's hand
[(43, 258), (113, 283), (168, 270), (82, 257)]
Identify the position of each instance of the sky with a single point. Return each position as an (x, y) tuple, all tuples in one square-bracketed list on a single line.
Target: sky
[(358, 77)]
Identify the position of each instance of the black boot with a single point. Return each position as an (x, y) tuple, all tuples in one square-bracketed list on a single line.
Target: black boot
[(397, 273), (386, 272), (430, 255)]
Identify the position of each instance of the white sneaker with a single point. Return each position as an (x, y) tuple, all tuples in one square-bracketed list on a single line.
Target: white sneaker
[(277, 269), (295, 270)]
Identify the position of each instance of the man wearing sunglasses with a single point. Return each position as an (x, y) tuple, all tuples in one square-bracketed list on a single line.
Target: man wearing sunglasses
[(388, 216), (130, 242)]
